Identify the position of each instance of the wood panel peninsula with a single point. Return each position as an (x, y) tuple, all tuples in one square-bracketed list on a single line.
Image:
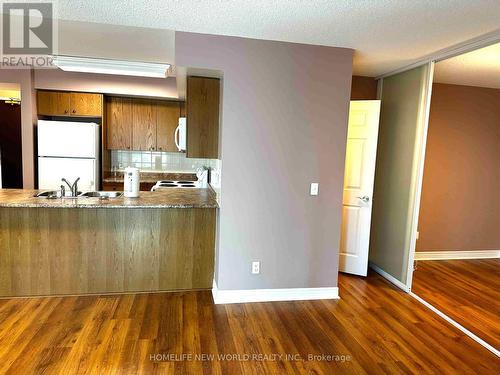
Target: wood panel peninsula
[(162, 241)]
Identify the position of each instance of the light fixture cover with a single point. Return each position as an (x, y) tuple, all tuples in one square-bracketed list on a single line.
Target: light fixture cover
[(104, 66)]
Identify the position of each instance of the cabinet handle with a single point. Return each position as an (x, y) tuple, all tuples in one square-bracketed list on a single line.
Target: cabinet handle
[(74, 111), (128, 147), (160, 148), (65, 111)]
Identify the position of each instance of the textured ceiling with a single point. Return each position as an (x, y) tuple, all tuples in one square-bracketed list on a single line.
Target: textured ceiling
[(477, 68), (386, 34)]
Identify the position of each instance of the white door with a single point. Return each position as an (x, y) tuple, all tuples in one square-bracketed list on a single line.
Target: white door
[(358, 186), (67, 139), (52, 170)]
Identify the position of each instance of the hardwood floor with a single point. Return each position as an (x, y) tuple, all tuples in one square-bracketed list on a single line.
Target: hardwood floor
[(468, 291), (377, 328)]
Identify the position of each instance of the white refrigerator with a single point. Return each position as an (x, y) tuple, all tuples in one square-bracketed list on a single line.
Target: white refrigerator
[(68, 150)]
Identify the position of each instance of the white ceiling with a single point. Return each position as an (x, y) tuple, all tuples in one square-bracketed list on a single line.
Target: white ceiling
[(386, 34), (477, 68)]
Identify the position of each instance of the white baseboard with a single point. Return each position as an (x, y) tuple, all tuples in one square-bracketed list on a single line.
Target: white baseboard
[(268, 295), (457, 254), (457, 325), (389, 277)]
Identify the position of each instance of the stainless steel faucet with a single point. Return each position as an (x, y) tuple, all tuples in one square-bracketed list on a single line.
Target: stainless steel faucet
[(73, 187)]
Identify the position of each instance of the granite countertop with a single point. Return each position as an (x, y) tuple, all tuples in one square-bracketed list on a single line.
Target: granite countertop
[(150, 177), (172, 198)]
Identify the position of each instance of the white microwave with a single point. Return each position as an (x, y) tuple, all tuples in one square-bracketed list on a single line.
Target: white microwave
[(180, 135)]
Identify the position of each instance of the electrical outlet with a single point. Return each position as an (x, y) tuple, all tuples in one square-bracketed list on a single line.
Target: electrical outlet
[(255, 268), (314, 188)]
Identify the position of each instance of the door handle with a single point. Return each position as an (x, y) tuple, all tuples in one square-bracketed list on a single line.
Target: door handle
[(364, 198)]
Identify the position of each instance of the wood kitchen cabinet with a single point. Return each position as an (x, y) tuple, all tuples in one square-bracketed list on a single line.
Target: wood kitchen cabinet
[(83, 104), (202, 113), (53, 103), (119, 123), (112, 186), (141, 124), (118, 186), (59, 103), (168, 114)]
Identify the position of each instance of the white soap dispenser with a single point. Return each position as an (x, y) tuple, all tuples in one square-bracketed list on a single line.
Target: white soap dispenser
[(131, 182)]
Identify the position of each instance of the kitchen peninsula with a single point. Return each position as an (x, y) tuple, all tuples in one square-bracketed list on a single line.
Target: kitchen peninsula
[(162, 241)]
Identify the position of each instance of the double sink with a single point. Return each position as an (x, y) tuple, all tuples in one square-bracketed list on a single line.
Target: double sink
[(54, 194)]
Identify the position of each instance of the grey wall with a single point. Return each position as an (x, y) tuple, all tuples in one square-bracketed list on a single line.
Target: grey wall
[(284, 125)]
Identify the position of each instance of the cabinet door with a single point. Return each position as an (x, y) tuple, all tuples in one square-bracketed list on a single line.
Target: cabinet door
[(53, 103), (146, 186), (118, 123), (83, 104), (112, 186), (143, 125), (202, 112), (167, 114)]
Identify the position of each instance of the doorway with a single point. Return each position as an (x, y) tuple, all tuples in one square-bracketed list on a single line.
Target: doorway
[(361, 151), (10, 137)]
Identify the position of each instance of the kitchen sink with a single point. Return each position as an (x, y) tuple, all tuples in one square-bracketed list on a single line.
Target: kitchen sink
[(101, 194), (53, 194)]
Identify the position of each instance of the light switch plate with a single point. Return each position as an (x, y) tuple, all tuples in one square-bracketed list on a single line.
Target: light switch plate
[(314, 188)]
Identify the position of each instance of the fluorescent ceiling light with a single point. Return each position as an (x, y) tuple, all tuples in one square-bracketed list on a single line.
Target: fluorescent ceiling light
[(103, 66)]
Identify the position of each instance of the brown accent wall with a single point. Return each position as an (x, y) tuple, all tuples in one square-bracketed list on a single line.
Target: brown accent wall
[(460, 206), (363, 88)]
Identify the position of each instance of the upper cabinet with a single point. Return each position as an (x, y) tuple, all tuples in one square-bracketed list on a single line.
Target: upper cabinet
[(141, 124), (119, 123), (53, 103), (202, 113), (167, 115), (83, 104), (58, 103)]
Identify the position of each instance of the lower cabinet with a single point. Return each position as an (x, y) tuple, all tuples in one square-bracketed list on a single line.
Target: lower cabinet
[(105, 250), (112, 186), (117, 186)]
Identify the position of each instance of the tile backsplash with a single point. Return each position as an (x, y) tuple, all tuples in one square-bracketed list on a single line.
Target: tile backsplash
[(153, 161)]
